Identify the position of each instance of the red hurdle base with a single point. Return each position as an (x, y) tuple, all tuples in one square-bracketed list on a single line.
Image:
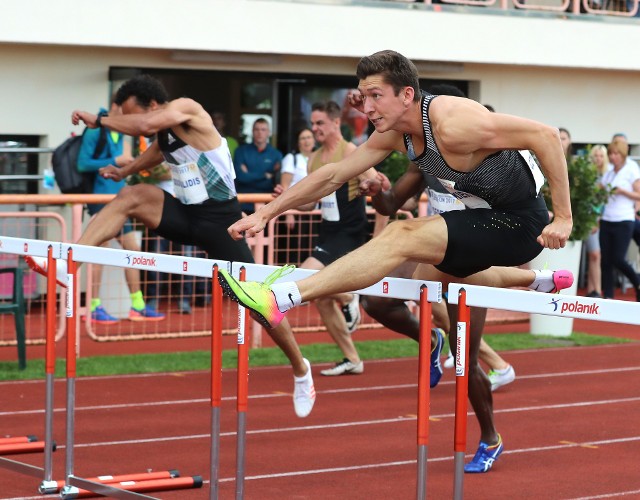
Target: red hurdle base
[(18, 439), (140, 476), (17, 448), (178, 483)]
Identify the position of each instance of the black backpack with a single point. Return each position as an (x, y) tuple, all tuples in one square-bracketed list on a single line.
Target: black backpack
[(65, 165)]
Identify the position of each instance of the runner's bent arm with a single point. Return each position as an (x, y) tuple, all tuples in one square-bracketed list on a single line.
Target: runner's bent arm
[(149, 159), (467, 133), (390, 201)]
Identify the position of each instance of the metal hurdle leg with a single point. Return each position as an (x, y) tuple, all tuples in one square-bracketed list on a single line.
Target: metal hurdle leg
[(462, 389), (216, 381), (424, 392), (50, 369), (243, 396), (71, 307)]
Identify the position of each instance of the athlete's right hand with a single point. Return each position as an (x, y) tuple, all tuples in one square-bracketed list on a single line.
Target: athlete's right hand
[(111, 172), (355, 99), (248, 226)]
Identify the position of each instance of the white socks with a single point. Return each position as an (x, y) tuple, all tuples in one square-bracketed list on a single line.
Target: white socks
[(543, 281), (287, 295)]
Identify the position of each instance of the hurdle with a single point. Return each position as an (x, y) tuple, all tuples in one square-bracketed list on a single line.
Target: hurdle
[(133, 483), (567, 306), (39, 248), (77, 487), (423, 292)]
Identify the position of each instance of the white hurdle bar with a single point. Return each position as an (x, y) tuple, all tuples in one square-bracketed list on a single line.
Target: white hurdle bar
[(423, 292), (39, 248), (567, 306), (524, 301), (191, 266)]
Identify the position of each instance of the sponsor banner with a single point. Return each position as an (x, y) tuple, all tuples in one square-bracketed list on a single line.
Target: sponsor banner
[(70, 294), (461, 349), (241, 324)]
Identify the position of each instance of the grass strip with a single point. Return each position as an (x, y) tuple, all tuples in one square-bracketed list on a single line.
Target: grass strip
[(272, 356)]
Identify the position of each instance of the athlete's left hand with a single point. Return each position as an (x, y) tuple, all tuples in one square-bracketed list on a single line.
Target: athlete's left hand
[(373, 186), (556, 234)]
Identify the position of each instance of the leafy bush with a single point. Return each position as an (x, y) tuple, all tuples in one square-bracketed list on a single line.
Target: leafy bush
[(587, 196)]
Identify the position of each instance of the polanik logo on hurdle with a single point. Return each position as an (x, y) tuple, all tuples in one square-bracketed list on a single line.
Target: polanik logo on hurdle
[(575, 306)]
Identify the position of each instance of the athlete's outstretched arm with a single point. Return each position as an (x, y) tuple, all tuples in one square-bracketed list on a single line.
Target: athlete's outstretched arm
[(159, 117), (316, 185)]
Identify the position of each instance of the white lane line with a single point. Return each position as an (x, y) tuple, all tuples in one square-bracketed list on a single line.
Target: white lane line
[(328, 391), (438, 459), (383, 421), (370, 361), (610, 495)]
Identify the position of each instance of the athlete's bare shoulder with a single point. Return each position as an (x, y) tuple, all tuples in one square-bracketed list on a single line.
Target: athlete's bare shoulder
[(390, 140)]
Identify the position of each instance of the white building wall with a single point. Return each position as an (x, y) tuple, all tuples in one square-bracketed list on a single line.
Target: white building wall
[(566, 72)]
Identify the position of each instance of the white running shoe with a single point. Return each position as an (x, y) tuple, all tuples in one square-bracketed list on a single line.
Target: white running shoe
[(344, 367), (351, 312), (39, 265), (499, 378), (449, 362), (304, 393)]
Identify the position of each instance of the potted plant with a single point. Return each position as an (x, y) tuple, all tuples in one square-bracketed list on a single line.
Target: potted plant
[(586, 194), (587, 199)]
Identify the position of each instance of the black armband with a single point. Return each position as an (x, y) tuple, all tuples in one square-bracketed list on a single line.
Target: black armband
[(101, 115)]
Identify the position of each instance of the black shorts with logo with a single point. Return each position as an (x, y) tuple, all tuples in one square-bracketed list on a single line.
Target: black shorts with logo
[(204, 225), (480, 238), (331, 245)]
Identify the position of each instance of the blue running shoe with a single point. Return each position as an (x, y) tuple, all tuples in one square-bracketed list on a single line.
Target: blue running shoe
[(485, 457), (436, 366), (102, 317), (146, 314)]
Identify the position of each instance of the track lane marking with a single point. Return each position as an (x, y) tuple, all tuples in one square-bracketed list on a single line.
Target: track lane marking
[(279, 394)]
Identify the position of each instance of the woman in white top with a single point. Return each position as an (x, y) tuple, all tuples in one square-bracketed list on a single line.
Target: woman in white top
[(598, 156), (616, 225), (294, 165)]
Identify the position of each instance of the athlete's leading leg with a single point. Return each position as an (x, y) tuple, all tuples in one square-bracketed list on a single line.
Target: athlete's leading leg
[(424, 240), (142, 202)]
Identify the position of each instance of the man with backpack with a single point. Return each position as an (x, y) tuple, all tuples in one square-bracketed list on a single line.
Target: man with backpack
[(100, 148)]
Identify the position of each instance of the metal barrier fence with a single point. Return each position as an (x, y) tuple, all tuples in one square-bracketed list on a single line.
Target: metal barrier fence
[(28, 225), (185, 300)]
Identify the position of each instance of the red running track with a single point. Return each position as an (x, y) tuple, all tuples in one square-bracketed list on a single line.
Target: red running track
[(569, 423)]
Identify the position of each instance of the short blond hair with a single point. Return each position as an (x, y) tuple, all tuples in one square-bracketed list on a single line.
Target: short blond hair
[(619, 146)]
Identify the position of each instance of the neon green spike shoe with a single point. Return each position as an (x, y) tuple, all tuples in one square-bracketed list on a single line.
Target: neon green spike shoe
[(256, 296)]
